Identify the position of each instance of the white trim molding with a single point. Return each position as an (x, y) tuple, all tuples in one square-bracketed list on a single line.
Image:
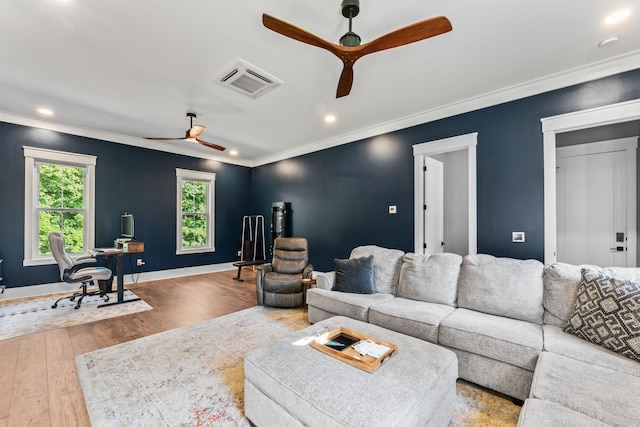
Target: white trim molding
[(584, 119), (466, 142), (60, 287), (210, 179), (31, 156)]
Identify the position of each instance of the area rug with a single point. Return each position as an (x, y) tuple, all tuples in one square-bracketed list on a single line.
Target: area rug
[(28, 316), (194, 376)]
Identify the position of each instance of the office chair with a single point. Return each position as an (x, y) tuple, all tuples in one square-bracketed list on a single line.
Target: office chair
[(279, 284), (78, 270)]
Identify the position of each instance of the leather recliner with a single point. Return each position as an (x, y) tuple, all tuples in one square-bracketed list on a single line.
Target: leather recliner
[(279, 284)]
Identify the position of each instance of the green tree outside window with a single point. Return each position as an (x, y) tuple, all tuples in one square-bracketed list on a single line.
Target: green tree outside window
[(194, 213), (61, 205)]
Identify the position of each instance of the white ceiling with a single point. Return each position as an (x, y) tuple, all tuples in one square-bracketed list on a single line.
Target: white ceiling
[(121, 70)]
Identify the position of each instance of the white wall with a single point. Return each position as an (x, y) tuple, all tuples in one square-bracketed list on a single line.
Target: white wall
[(456, 201)]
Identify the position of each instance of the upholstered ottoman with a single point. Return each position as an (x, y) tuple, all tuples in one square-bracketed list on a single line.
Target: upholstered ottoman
[(297, 385)]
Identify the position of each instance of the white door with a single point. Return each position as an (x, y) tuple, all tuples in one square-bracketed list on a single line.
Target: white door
[(434, 206), (596, 204)]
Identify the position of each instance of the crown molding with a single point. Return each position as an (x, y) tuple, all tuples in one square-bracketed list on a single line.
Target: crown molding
[(113, 137), (551, 82), (548, 83)]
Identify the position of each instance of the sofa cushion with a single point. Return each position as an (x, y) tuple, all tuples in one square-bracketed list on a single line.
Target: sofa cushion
[(415, 318), (560, 288), (354, 275), (561, 283), (543, 413), (603, 394), (386, 264), (501, 338), (607, 313), (502, 286), (355, 306), (430, 278), (559, 342)]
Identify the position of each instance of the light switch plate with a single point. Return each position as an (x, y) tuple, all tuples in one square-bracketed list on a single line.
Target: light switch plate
[(517, 236), (392, 209)]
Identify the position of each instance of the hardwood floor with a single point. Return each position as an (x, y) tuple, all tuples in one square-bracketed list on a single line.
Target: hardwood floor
[(38, 381)]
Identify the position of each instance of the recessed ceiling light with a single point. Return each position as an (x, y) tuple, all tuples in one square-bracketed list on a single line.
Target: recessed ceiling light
[(233, 152), (45, 111), (617, 16), (329, 118), (609, 42)]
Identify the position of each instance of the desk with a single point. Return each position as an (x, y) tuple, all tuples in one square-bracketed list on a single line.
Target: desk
[(119, 255)]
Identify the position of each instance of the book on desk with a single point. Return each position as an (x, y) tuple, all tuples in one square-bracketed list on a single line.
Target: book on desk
[(127, 247)]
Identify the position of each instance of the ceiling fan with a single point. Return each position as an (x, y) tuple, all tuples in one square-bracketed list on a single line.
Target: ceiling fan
[(350, 50), (192, 135)]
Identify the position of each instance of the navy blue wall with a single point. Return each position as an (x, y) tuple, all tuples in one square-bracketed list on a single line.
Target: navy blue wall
[(340, 196), (128, 179)]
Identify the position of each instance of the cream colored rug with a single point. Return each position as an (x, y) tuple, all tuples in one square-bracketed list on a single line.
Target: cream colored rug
[(31, 315), (194, 376)]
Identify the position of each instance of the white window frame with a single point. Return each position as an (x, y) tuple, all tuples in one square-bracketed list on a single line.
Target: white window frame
[(31, 157), (210, 179)]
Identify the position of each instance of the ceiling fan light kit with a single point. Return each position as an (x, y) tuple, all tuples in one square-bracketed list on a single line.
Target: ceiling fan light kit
[(350, 50)]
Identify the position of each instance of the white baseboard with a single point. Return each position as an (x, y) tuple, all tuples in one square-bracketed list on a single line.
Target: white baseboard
[(54, 288)]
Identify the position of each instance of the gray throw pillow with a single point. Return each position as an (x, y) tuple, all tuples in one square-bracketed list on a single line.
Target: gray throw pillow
[(607, 313), (354, 275)]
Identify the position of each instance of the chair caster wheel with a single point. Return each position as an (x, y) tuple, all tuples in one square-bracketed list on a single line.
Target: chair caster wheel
[(72, 299), (54, 306), (106, 299), (76, 307)]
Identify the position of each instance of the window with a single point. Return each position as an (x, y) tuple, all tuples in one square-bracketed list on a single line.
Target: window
[(59, 196), (195, 213)]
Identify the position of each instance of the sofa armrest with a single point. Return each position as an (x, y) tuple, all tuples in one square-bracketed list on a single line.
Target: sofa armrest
[(325, 280)]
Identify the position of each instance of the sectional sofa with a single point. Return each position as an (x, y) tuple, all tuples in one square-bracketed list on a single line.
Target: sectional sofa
[(505, 319)]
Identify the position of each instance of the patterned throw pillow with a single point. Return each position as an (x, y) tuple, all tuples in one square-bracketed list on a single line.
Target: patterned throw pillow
[(607, 313)]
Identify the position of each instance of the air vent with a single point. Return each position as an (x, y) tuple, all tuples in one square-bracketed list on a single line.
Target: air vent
[(248, 79)]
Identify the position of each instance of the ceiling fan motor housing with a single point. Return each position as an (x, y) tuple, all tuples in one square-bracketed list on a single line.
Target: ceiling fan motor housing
[(350, 8), (350, 39)]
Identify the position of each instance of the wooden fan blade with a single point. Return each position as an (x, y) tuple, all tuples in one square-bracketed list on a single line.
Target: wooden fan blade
[(210, 144), (195, 131), (346, 80), (297, 33), (409, 34)]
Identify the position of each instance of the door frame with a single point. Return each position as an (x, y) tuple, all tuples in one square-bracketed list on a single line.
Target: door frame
[(466, 142), (583, 119)]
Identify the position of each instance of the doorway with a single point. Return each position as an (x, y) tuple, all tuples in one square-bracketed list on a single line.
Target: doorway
[(458, 155), (596, 203), (434, 205), (551, 127)]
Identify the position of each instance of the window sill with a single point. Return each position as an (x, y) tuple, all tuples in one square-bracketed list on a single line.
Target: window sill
[(187, 251)]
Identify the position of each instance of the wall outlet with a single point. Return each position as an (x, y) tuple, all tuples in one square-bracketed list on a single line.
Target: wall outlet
[(393, 209), (139, 262), (239, 253)]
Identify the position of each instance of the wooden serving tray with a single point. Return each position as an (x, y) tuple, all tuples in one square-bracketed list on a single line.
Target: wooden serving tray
[(352, 357)]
